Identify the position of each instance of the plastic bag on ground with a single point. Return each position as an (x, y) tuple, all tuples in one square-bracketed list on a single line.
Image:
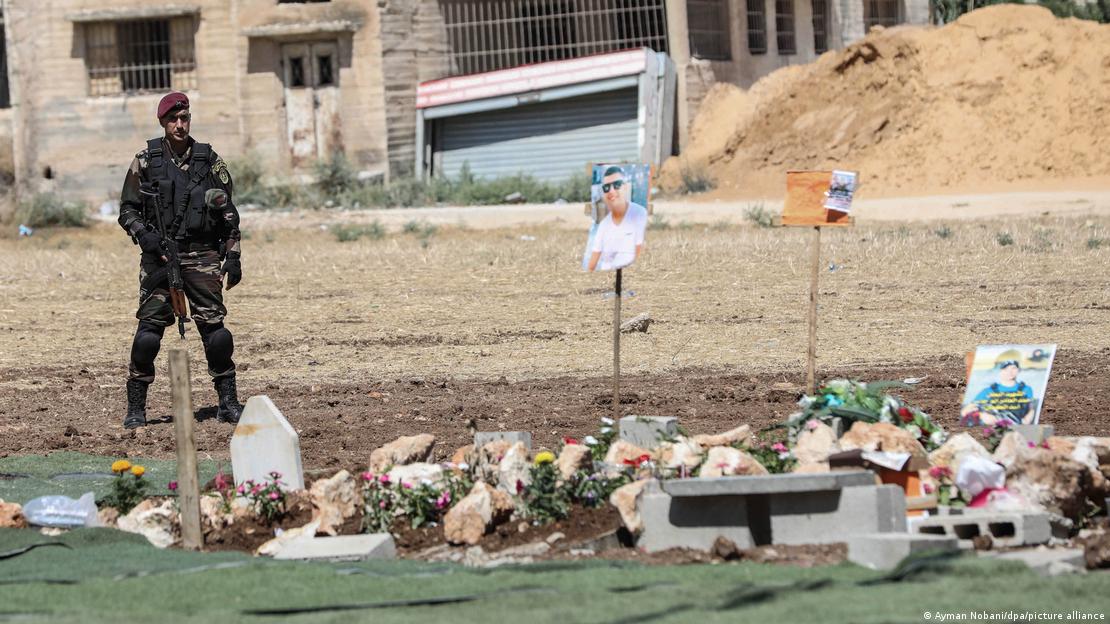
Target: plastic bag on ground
[(62, 511), (979, 473)]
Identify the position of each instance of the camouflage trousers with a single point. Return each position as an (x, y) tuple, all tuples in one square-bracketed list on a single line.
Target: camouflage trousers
[(204, 288)]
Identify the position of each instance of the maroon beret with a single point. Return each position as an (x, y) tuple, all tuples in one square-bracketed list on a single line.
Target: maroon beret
[(171, 103)]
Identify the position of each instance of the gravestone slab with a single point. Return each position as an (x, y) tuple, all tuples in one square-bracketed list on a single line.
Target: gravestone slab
[(482, 438), (1035, 433), (884, 551), (341, 548), (265, 442), (648, 432)]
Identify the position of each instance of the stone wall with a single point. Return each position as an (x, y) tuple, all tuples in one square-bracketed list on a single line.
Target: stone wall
[(414, 50)]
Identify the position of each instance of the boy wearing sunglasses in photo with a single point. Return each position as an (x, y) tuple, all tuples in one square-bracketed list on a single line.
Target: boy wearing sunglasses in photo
[(619, 240)]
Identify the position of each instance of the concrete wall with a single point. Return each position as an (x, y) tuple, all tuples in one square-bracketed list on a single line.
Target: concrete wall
[(238, 103)]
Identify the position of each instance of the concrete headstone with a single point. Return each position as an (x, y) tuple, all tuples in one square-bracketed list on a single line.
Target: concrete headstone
[(648, 431), (265, 442), (482, 438)]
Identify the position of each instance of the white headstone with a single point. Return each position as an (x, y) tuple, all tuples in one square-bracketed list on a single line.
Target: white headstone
[(265, 442)]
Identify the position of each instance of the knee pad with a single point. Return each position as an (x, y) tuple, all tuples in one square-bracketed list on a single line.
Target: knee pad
[(218, 345), (144, 349)]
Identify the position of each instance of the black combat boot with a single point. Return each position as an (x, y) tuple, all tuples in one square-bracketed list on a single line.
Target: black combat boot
[(136, 404), (230, 409)]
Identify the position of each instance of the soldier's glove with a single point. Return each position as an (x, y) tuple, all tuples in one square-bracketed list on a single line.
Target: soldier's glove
[(233, 269), (150, 243)]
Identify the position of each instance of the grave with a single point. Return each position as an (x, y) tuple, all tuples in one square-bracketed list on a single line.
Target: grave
[(768, 509), (647, 432), (341, 548), (482, 438), (265, 442)]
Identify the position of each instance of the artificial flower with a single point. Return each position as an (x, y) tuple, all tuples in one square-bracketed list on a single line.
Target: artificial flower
[(121, 465), (138, 471), (544, 457)]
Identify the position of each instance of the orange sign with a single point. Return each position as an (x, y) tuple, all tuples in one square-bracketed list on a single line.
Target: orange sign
[(805, 200)]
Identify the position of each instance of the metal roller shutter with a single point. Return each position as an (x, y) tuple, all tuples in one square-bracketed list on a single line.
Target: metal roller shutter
[(549, 140)]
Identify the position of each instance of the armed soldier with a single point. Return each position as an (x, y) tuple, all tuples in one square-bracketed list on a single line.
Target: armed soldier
[(176, 205)]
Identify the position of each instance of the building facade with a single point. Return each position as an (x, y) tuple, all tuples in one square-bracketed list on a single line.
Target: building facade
[(292, 82)]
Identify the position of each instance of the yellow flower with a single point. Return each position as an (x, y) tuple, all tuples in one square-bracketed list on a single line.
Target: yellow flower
[(544, 457), (121, 465), (137, 471)]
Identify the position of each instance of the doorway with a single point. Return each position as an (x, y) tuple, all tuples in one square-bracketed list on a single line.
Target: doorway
[(311, 84)]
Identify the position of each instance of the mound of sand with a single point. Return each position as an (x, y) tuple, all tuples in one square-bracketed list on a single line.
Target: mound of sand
[(1006, 93)]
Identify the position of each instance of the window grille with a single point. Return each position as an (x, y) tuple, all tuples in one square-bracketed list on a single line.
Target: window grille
[(884, 13), (820, 26), (486, 35), (757, 27), (136, 56), (784, 27), (5, 97), (707, 22)]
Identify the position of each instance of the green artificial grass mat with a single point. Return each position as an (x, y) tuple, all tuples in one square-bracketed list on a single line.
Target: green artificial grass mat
[(101, 575)]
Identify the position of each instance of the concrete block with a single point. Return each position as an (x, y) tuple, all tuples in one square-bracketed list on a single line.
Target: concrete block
[(767, 484), (341, 548), (1045, 561), (265, 442), (820, 516), (1035, 433), (884, 551), (482, 438), (648, 431), (1005, 529)]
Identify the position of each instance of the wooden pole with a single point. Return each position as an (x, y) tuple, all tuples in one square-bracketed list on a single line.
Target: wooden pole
[(188, 490), (617, 348), (811, 352)]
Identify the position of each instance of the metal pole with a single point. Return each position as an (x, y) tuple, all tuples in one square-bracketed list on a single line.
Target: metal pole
[(811, 352), (617, 348)]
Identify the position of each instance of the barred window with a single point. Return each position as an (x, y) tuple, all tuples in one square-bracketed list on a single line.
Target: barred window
[(707, 22), (881, 13), (141, 55), (487, 35), (757, 27), (5, 98), (820, 26), (784, 27)]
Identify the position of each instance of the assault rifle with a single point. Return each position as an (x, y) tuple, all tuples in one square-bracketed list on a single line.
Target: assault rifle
[(172, 270)]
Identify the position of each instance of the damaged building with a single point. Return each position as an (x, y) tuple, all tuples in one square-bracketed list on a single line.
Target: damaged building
[(400, 87)]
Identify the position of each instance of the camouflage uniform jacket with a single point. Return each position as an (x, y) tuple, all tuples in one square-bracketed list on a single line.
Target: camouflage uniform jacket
[(132, 204)]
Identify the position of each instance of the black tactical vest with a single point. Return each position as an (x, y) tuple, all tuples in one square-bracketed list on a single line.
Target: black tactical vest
[(184, 214)]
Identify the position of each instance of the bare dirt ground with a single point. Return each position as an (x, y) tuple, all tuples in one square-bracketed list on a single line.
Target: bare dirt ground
[(497, 329)]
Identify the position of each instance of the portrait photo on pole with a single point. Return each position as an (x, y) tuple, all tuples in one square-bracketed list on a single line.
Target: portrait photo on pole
[(619, 215), (1007, 382)]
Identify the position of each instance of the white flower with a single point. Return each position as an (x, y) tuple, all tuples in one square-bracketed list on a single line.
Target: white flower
[(914, 430), (938, 437), (425, 481), (463, 466), (785, 455), (590, 441), (606, 429), (607, 421)]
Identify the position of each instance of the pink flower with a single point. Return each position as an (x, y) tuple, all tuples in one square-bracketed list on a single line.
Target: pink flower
[(274, 495), (172, 486), (384, 479), (406, 485), (256, 489), (242, 489), (812, 424), (939, 472), (987, 432), (927, 487), (221, 481), (779, 447), (381, 505), (1031, 445)]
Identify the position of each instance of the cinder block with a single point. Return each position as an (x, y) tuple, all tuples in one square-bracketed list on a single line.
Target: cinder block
[(884, 551), (1035, 433), (767, 484), (1005, 529), (341, 548), (648, 431), (482, 438)]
